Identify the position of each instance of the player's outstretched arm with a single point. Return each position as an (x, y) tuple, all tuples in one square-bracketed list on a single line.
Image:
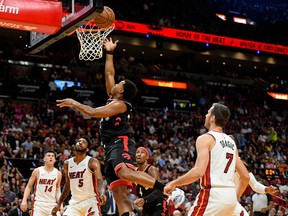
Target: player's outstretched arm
[(111, 109), (260, 188), (109, 65), (65, 192), (33, 178)]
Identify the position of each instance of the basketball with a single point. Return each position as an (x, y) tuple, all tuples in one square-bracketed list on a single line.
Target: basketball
[(106, 18)]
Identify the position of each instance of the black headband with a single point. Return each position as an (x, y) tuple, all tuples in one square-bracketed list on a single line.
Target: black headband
[(87, 140)]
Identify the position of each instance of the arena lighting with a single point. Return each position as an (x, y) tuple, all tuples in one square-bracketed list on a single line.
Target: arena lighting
[(180, 34), (278, 96), (164, 83), (240, 20), (26, 63), (221, 16)]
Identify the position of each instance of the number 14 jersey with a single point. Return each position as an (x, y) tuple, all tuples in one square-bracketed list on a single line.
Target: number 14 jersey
[(45, 189)]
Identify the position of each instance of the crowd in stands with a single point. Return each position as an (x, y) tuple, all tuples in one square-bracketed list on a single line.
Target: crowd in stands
[(200, 16), (30, 127), (262, 10), (259, 124), (270, 17)]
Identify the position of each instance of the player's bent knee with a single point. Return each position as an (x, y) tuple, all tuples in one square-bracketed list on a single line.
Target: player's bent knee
[(125, 173)]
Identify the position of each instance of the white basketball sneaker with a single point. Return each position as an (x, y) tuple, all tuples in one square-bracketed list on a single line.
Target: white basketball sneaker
[(177, 197)]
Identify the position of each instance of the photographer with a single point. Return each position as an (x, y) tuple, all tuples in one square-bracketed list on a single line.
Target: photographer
[(3, 162)]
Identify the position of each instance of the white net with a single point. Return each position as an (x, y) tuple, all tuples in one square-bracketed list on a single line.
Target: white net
[(91, 40)]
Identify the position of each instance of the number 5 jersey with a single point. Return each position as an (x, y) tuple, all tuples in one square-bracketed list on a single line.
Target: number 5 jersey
[(82, 181)]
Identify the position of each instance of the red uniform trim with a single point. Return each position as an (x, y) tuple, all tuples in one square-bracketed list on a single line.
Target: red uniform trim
[(95, 186), (203, 197), (119, 182)]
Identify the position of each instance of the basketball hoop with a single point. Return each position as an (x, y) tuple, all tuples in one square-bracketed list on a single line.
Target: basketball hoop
[(91, 39)]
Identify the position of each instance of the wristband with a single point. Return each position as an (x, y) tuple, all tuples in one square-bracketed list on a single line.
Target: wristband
[(109, 52)]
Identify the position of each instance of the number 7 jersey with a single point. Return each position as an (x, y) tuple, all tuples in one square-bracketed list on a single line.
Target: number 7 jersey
[(45, 188), (222, 162)]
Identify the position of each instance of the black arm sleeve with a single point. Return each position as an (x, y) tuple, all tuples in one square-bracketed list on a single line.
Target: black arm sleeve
[(156, 194), (269, 197)]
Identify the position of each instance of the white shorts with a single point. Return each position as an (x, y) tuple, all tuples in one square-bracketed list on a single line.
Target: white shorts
[(87, 207), (240, 210), (43, 209), (214, 202)]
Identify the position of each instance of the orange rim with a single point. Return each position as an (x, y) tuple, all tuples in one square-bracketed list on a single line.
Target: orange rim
[(91, 28)]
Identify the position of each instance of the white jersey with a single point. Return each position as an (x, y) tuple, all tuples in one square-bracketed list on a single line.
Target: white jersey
[(46, 185), (82, 181), (221, 167)]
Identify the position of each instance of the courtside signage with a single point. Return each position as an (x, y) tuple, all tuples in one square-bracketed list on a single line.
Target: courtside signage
[(8, 9), (199, 37)]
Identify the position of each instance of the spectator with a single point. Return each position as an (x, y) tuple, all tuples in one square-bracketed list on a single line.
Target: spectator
[(21, 153), (21, 191), (174, 159), (3, 162), (14, 173), (261, 204), (2, 213), (16, 211), (9, 195), (161, 161), (27, 144), (50, 139), (280, 212)]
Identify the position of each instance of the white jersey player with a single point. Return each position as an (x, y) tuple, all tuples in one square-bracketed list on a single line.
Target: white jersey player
[(46, 181), (257, 187), (217, 160), (82, 176), (81, 181)]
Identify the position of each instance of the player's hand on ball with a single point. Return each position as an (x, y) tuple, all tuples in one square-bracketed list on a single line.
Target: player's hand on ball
[(271, 190), (168, 189)]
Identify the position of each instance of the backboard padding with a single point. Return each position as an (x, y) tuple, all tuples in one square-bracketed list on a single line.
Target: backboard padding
[(40, 41)]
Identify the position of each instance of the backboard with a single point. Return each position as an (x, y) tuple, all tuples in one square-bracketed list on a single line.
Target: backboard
[(75, 13)]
